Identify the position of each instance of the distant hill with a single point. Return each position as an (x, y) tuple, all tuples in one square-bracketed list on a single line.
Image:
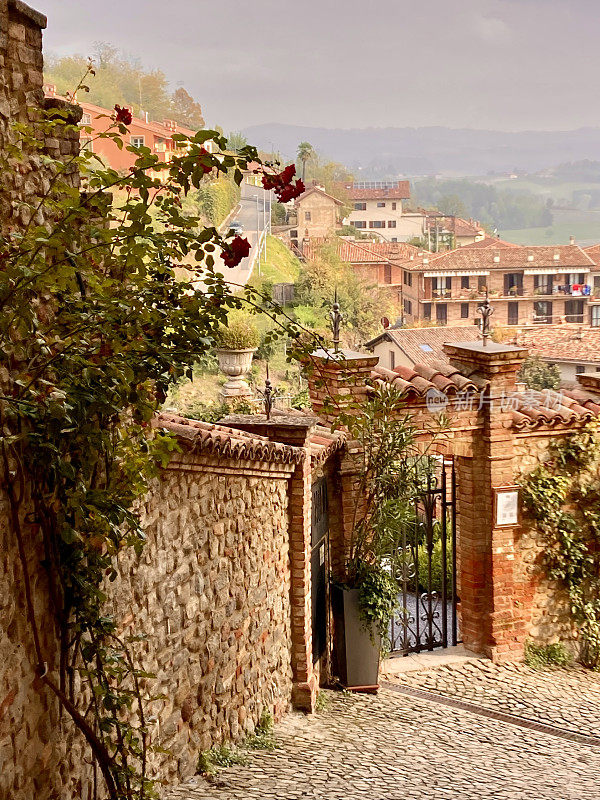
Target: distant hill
[(386, 152)]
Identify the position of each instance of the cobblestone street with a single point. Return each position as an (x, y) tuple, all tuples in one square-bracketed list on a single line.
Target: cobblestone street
[(396, 747)]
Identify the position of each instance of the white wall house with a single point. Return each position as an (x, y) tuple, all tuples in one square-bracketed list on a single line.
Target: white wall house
[(376, 208)]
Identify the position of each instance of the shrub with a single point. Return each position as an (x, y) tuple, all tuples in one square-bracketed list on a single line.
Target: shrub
[(219, 758), (436, 567), (540, 656), (262, 738), (240, 333)]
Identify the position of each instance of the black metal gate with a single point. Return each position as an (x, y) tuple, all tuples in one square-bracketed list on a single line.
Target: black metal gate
[(425, 567), (318, 562)]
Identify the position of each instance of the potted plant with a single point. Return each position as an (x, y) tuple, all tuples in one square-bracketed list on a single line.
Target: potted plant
[(236, 344), (365, 593)]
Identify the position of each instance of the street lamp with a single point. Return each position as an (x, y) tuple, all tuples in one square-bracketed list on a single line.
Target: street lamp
[(257, 230)]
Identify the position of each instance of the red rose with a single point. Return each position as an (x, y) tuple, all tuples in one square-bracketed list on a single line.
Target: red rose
[(281, 183), (123, 115), (235, 251), (205, 164)]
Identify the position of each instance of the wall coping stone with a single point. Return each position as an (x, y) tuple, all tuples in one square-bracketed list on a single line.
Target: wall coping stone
[(36, 17)]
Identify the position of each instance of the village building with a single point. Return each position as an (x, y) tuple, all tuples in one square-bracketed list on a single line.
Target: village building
[(376, 206), (525, 285), (575, 349), (317, 216), (397, 346), (157, 136)]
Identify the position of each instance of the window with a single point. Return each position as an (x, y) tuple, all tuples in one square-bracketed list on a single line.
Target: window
[(426, 348), (481, 282), (360, 206), (393, 206), (513, 283), (380, 205), (407, 278), (595, 316), (464, 311), (442, 287), (579, 368), (542, 311), (86, 143), (377, 223), (407, 305), (542, 284), (391, 223), (138, 141), (513, 313), (387, 273), (359, 223), (427, 310), (392, 359), (574, 311), (394, 239), (307, 216), (465, 282), (441, 313), (86, 119)]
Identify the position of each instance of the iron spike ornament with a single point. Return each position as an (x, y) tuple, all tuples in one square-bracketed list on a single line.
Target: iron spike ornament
[(485, 310), (336, 318)]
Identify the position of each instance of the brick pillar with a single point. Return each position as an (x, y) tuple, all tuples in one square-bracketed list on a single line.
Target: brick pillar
[(493, 617), (336, 381), (296, 431)]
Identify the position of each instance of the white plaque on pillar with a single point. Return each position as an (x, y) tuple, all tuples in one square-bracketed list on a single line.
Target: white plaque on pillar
[(506, 506)]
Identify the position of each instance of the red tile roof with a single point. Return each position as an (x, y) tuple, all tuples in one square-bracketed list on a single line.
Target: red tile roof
[(400, 192), (503, 258), (411, 341), (489, 241), (364, 251), (457, 225), (320, 191), (227, 442), (593, 252), (569, 342), (528, 409)]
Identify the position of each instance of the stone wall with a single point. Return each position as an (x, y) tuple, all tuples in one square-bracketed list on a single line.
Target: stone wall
[(549, 616), (212, 593)]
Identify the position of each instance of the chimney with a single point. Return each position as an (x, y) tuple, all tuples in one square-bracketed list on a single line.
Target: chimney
[(571, 239)]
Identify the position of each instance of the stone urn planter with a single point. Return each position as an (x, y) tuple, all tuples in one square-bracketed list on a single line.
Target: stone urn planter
[(357, 649), (235, 364)]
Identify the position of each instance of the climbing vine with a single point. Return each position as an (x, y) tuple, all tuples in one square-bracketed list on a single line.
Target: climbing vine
[(562, 497), (95, 326)]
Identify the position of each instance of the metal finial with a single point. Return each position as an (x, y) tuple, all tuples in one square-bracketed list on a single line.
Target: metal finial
[(336, 318), (268, 395), (486, 311)]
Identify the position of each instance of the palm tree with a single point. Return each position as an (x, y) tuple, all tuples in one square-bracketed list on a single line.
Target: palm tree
[(306, 153)]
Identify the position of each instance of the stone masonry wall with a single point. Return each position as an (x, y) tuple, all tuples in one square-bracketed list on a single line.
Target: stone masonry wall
[(549, 620), (212, 593)]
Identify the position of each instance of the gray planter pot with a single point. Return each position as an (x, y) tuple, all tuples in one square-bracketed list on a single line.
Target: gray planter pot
[(356, 652), (235, 364)]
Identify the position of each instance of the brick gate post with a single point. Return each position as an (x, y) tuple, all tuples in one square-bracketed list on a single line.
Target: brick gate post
[(492, 614)]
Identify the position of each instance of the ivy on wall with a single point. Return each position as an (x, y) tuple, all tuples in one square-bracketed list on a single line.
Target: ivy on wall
[(562, 498)]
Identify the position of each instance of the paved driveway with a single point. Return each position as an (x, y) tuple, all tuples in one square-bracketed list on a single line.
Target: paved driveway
[(399, 747)]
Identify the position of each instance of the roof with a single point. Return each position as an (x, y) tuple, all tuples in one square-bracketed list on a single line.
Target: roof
[(155, 127), (457, 225), (365, 252), (318, 190), (593, 252), (212, 439), (568, 342), (400, 192), (490, 241), (425, 345), (529, 409), (503, 258)]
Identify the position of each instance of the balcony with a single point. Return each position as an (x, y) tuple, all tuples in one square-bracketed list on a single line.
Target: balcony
[(441, 294), (576, 290)]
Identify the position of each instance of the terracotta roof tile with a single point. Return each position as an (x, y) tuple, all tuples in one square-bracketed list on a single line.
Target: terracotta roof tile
[(227, 442), (567, 342), (425, 345), (400, 192), (365, 252), (517, 257)]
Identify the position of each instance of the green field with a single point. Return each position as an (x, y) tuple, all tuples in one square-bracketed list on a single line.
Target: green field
[(281, 266), (583, 225)]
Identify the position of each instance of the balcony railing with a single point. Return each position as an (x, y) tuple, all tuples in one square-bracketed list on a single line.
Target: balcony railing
[(441, 294)]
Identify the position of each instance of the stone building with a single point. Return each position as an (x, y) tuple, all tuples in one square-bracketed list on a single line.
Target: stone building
[(318, 215)]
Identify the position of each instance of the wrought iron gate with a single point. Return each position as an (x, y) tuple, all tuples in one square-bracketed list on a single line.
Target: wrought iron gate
[(318, 562), (425, 568)]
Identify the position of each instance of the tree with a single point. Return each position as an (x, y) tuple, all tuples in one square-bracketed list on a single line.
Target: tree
[(305, 154), (186, 111), (537, 374), (452, 205), (95, 327), (237, 141)]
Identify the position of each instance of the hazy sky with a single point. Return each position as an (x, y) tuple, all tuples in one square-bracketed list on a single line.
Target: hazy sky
[(502, 64)]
